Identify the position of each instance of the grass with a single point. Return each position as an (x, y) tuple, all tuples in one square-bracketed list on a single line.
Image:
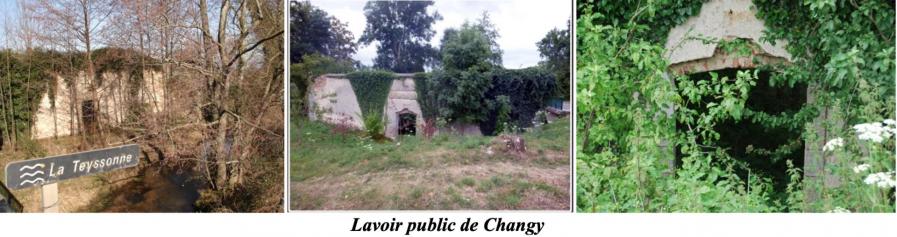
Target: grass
[(409, 173)]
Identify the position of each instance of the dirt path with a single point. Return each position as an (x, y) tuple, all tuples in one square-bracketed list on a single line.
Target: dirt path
[(488, 185)]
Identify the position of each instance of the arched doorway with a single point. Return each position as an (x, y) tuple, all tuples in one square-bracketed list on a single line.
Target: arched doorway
[(407, 122)]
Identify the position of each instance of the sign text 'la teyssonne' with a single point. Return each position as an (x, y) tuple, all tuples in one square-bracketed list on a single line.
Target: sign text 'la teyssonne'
[(29, 173)]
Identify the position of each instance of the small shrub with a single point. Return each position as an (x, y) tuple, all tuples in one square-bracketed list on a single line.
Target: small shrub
[(374, 124), (504, 114)]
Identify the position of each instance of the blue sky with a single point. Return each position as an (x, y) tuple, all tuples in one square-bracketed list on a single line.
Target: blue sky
[(521, 23), (8, 12)]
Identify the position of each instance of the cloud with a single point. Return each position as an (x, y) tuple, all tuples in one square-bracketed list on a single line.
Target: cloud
[(520, 23)]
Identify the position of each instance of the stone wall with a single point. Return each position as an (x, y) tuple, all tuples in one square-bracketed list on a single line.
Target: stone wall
[(402, 96), (58, 115), (332, 100), (720, 20)]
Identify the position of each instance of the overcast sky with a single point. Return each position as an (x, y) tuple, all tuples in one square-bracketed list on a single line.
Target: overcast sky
[(520, 23)]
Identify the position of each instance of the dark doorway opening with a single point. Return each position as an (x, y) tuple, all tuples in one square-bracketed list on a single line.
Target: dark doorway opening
[(407, 123), (763, 148), (89, 115)]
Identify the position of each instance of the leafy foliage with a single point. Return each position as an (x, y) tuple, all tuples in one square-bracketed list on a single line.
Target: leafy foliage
[(554, 49), (503, 108), (653, 142), (403, 30), (427, 102), (22, 83), (374, 124), (313, 31), (462, 83), (371, 89), (528, 91), (460, 95)]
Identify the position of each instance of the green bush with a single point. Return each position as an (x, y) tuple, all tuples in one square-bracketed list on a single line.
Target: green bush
[(502, 123), (374, 124), (649, 145), (371, 89), (426, 96), (528, 91)]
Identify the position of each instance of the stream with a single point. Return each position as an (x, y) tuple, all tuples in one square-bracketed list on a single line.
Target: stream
[(157, 189)]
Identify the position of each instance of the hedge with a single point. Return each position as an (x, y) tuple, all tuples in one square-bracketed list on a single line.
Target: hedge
[(528, 89)]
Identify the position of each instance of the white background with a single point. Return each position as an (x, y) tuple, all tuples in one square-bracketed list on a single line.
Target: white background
[(339, 223)]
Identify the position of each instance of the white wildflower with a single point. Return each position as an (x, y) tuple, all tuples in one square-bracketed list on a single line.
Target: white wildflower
[(890, 122), (872, 131), (881, 179), (839, 210), (861, 168), (832, 144)]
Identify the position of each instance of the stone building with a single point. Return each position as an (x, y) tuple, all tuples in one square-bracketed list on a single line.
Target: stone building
[(736, 19), (332, 99), (57, 114)]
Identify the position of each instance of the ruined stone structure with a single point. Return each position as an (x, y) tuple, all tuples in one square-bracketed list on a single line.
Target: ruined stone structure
[(736, 19), (724, 20), (57, 115), (403, 112), (332, 100)]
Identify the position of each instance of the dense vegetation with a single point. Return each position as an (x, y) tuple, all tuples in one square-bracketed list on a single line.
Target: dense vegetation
[(371, 90), (467, 76), (653, 141)]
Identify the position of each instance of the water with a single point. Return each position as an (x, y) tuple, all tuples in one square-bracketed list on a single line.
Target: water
[(159, 190)]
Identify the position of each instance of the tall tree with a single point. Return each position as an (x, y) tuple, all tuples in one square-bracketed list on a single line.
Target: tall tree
[(77, 25), (554, 49), (466, 58), (404, 30), (485, 25), (313, 31)]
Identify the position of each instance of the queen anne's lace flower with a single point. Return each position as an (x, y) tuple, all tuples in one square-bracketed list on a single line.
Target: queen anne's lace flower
[(871, 131), (881, 179), (861, 168), (832, 144)]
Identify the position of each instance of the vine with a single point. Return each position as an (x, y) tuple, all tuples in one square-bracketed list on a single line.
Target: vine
[(651, 141), (371, 90)]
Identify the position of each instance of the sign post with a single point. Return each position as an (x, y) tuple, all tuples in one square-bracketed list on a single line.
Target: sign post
[(49, 197), (47, 172)]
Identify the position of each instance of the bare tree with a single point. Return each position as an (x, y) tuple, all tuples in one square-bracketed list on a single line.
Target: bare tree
[(76, 26)]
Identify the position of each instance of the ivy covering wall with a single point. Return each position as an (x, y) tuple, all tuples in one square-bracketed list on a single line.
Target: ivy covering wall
[(528, 91), (371, 88)]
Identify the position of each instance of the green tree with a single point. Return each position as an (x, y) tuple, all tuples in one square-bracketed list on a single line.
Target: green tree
[(313, 31), (403, 30), (554, 49), (462, 84)]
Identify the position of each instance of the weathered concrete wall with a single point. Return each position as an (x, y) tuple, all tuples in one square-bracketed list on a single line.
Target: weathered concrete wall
[(721, 20), (402, 95), (736, 19), (61, 118), (332, 100)]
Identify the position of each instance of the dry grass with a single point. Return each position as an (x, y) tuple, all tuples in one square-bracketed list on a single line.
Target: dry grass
[(345, 171)]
